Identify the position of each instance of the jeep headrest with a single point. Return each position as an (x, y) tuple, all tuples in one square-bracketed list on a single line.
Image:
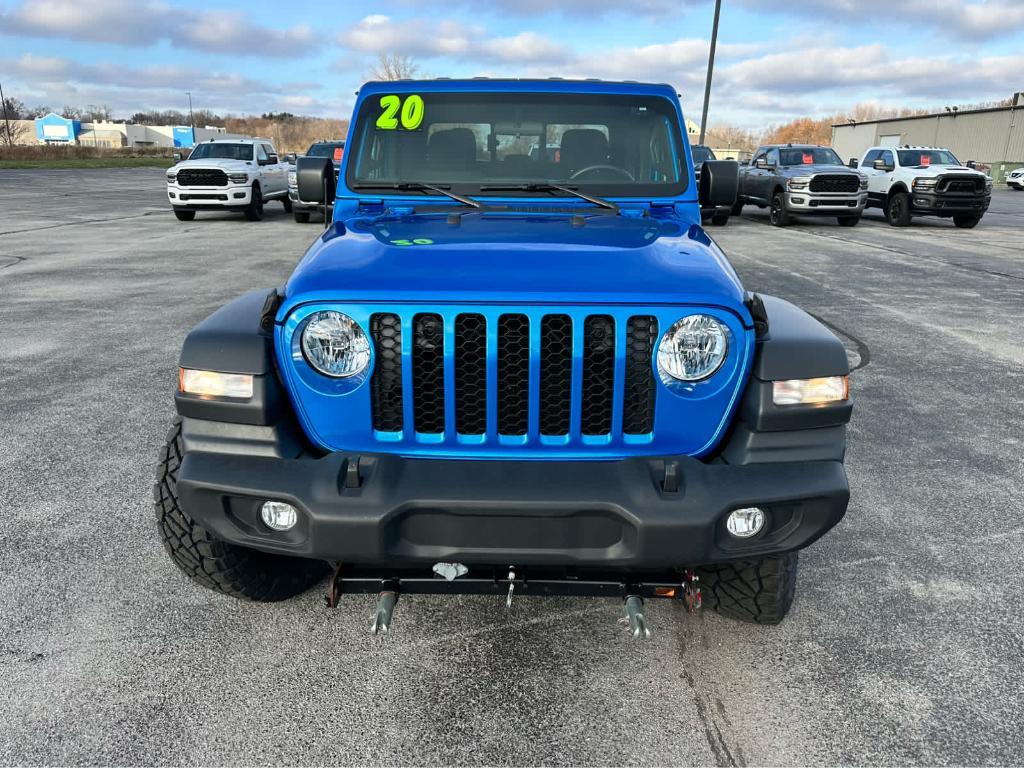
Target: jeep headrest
[(453, 148)]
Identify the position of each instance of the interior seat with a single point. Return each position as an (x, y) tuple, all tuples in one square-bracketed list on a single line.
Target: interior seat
[(453, 149), (583, 147)]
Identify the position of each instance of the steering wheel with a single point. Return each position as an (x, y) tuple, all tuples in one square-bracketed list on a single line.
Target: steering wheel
[(613, 168)]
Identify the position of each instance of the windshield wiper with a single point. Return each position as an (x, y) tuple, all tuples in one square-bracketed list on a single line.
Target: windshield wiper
[(419, 186), (548, 186)]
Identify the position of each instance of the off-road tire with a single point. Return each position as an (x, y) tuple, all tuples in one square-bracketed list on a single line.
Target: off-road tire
[(254, 211), (240, 572), (897, 209), (184, 215), (301, 216), (966, 222), (849, 221), (758, 591), (737, 207), (287, 203), (720, 219), (779, 216)]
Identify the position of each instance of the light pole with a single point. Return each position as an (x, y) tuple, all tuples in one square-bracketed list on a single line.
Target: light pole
[(711, 70), (191, 118)]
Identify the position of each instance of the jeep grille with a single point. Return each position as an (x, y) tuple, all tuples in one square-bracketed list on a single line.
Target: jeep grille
[(573, 377), (202, 177), (845, 182)]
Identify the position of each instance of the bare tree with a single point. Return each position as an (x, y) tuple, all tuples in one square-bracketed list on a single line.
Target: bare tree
[(394, 66), (13, 132)]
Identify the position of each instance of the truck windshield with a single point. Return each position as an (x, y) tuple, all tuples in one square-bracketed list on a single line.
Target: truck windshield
[(223, 151), (700, 154), (603, 144), (924, 157), (325, 149), (808, 156)]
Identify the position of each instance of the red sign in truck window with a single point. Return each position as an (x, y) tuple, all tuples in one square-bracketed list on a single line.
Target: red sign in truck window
[(808, 159), (926, 159), (338, 152)]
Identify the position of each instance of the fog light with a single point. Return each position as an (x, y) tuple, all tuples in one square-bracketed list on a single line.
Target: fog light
[(746, 522), (279, 516)]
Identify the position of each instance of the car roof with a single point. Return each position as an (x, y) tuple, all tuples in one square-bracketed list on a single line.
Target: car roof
[(522, 85)]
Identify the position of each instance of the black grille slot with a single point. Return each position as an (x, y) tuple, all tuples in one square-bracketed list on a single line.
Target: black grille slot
[(638, 405), (598, 374), (202, 177), (386, 384), (471, 374), (428, 373), (555, 374), (513, 374), (835, 183)]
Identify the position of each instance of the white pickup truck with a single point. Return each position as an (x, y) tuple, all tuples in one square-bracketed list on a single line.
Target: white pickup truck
[(233, 174), (925, 181)]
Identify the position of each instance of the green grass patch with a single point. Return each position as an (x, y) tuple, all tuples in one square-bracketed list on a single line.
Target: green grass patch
[(91, 162)]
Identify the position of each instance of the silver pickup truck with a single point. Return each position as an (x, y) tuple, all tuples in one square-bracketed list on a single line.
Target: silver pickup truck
[(804, 180)]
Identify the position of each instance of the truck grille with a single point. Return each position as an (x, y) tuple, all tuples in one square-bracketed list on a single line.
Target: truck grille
[(513, 375), (844, 182), (202, 177), (959, 184)]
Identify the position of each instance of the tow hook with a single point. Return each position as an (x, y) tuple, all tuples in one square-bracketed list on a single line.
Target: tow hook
[(634, 617), (385, 608), (511, 586), (691, 591)]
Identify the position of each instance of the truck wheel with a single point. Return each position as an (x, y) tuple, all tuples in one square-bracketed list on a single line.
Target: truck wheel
[(286, 201), (184, 215), (897, 210), (759, 591), (254, 212), (300, 216), (779, 216), (720, 219), (737, 207), (849, 221), (966, 222), (236, 571)]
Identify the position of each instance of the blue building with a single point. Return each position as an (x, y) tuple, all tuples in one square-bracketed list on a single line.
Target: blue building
[(54, 129)]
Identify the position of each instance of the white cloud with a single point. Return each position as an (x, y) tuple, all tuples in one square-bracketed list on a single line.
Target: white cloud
[(145, 23), (378, 34)]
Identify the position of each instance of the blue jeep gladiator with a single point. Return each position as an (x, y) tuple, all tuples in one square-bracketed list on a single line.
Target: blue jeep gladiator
[(514, 363)]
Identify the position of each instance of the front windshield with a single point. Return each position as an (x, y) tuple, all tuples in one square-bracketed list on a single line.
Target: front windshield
[(222, 151), (926, 157), (700, 154), (808, 156), (603, 144), (325, 149)]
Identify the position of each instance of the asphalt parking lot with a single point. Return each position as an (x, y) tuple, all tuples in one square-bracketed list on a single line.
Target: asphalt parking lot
[(905, 644)]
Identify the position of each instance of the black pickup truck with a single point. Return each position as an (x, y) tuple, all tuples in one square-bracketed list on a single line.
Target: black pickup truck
[(804, 180)]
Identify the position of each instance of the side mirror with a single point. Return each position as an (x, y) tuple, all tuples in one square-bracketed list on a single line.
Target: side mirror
[(719, 183), (854, 162), (177, 157), (881, 165), (972, 163), (272, 160), (290, 158), (761, 163), (314, 177)]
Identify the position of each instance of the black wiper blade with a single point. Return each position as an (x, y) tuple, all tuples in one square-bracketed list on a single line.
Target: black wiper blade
[(548, 186), (419, 186)]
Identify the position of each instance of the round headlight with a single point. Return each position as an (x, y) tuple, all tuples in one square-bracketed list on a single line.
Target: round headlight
[(694, 348), (335, 345)]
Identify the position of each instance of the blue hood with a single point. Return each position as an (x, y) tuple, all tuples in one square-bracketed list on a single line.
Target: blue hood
[(521, 258)]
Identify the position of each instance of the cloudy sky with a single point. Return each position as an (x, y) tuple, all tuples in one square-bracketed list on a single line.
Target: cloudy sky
[(776, 60)]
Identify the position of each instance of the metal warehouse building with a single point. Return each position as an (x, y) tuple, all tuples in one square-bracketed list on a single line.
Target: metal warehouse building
[(994, 137)]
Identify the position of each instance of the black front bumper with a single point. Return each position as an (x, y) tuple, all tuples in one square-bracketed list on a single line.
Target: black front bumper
[(641, 513), (949, 204)]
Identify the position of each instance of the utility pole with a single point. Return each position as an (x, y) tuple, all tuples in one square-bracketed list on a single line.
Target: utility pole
[(711, 70), (8, 135), (191, 117)]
